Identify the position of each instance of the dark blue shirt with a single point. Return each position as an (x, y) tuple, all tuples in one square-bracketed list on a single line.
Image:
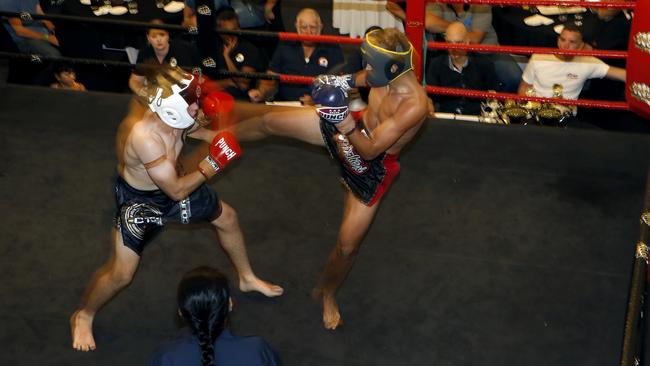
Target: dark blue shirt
[(289, 58), (245, 54), (229, 350), (477, 74), (184, 53)]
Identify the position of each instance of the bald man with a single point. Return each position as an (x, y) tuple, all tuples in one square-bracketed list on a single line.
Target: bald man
[(299, 58), (461, 69)]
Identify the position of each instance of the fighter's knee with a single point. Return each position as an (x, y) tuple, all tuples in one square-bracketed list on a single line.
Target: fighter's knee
[(227, 219)]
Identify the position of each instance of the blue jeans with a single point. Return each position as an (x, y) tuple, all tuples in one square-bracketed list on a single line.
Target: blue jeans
[(38, 47)]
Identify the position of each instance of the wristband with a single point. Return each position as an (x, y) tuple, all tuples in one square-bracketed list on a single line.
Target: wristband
[(351, 131), (203, 172), (213, 164)]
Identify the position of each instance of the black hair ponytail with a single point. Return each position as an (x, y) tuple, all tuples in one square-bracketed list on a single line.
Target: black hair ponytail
[(203, 300)]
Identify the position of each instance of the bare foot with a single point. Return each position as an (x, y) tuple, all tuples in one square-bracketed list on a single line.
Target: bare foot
[(331, 316), (81, 326), (266, 288)]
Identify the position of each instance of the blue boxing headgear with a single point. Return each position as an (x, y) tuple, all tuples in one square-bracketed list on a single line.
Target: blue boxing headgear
[(386, 65), (173, 109)]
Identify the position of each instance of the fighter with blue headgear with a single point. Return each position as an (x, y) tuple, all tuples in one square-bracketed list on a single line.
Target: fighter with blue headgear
[(383, 64)]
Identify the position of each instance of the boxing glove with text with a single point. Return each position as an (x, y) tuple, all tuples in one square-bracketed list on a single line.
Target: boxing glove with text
[(224, 149)]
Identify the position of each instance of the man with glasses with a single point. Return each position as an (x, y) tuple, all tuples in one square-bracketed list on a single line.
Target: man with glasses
[(299, 58)]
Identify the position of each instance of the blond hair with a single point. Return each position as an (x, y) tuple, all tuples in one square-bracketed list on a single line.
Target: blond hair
[(390, 39)]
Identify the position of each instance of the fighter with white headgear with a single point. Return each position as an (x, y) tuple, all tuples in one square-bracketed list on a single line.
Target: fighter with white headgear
[(150, 193)]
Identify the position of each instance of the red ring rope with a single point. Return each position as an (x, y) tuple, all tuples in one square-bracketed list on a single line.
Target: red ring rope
[(563, 3), (524, 50)]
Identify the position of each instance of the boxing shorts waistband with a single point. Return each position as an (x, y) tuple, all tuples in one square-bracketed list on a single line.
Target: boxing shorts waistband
[(155, 193)]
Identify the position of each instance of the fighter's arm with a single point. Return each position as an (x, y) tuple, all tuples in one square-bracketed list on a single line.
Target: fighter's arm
[(616, 73), (162, 168), (203, 134), (409, 112)]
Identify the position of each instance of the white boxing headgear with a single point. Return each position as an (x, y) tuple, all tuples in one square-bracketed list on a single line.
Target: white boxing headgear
[(173, 109)]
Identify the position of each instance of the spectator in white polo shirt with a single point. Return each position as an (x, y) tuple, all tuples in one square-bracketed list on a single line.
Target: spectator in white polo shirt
[(545, 72)]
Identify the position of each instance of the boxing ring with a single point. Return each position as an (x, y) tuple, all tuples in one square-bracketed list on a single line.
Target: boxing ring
[(497, 245)]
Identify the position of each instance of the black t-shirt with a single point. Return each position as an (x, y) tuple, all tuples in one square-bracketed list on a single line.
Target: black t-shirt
[(478, 74), (289, 59), (245, 54), (184, 54)]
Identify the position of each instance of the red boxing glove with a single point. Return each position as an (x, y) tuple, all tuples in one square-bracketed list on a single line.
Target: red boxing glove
[(223, 150), (217, 102)]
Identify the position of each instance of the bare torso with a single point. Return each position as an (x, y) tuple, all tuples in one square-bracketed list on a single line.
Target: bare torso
[(383, 104), (148, 131)]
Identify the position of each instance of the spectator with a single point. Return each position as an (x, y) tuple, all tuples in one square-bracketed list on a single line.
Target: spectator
[(66, 78), (543, 72), (397, 8), (610, 31), (262, 15), (35, 37), (305, 58), (30, 37), (204, 303), (238, 55), (460, 69), (478, 21), (161, 50), (189, 11)]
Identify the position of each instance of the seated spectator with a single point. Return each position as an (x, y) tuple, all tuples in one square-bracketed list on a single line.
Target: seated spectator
[(238, 55), (30, 37), (460, 69), (610, 31), (478, 21), (204, 303), (66, 78), (544, 72), (300, 58), (34, 37), (161, 50)]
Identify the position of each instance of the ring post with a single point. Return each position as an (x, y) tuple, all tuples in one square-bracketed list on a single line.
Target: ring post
[(634, 330), (415, 32), (638, 55)]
